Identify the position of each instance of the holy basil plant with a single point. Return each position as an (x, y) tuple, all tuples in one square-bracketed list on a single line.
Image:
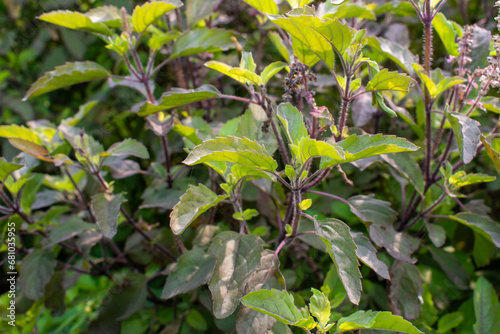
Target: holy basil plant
[(278, 167)]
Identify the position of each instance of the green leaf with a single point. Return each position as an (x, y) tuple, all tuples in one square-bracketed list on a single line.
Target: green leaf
[(368, 254), (376, 320), (486, 308), (364, 146), (305, 204), (149, 12), (311, 148), (451, 266), (385, 80), (320, 307), (20, 132), (447, 83), (68, 230), (160, 38), (482, 225), (462, 179), (36, 270), (266, 276), (38, 151), (6, 168), (196, 320), (123, 299), (466, 131), (197, 200), (449, 321), (407, 167), (264, 6), (246, 215), (197, 10), (492, 153), (279, 44), (193, 269), (319, 36), (109, 15), (350, 10), (239, 74), (275, 303), (382, 232), (406, 289), (76, 20), (238, 256), (128, 147), (426, 80), (178, 97), (447, 33), (236, 150), (298, 3), (30, 189), (398, 54), (293, 123), (271, 70), (304, 54), (342, 249), (106, 209), (202, 40), (332, 287), (66, 75)]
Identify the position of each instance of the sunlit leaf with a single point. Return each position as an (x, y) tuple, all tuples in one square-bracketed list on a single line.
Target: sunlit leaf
[(462, 179), (293, 122), (275, 303), (385, 80), (447, 33), (20, 132), (319, 307), (6, 168), (236, 150), (197, 200), (178, 97), (75, 20), (364, 146), (66, 75), (311, 148), (492, 153), (271, 70), (149, 12), (239, 74), (264, 6), (375, 320)]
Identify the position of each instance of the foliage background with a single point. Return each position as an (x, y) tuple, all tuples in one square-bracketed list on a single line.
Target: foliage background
[(29, 48)]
